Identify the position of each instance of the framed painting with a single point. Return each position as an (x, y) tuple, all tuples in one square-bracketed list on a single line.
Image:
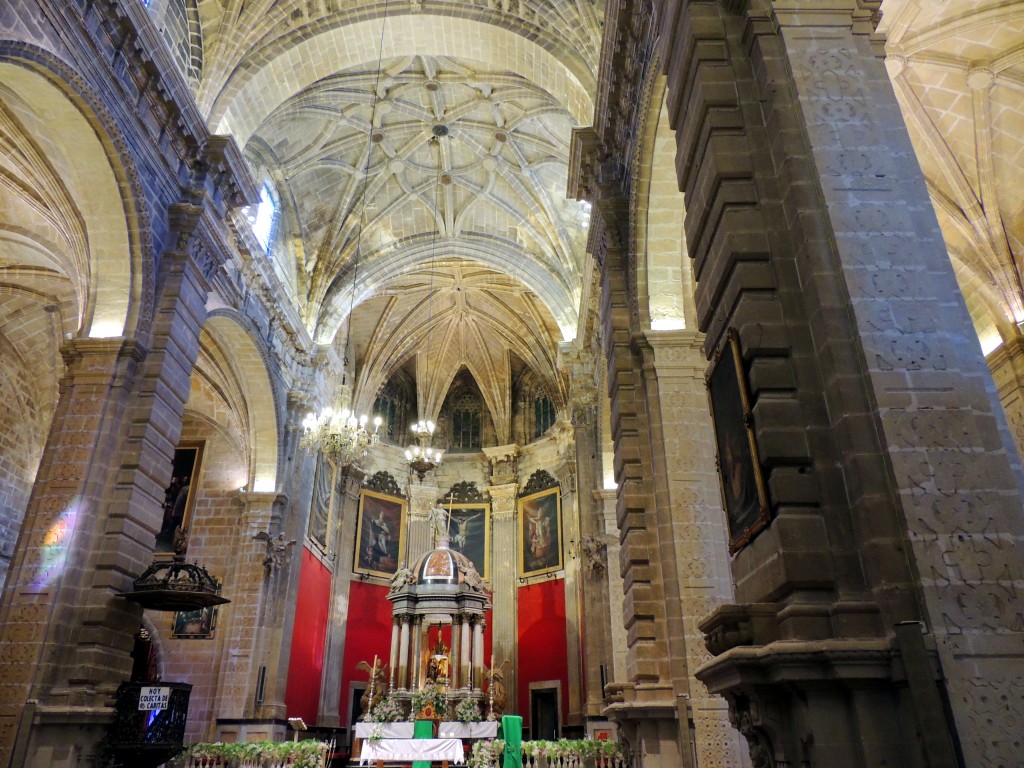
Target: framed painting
[(739, 470), (323, 507), (180, 495), (198, 624), (540, 532), (380, 534), (469, 532)]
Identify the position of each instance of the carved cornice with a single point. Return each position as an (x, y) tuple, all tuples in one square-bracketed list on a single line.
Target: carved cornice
[(384, 482)]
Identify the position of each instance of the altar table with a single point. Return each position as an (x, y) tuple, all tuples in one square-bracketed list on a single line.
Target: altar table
[(434, 750)]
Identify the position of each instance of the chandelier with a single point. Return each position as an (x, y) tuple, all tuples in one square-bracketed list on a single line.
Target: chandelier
[(341, 435), (422, 457)]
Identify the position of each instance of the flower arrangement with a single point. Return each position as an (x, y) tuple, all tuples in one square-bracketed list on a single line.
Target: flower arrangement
[(486, 753), (295, 754), (388, 710), (429, 703), (468, 711)]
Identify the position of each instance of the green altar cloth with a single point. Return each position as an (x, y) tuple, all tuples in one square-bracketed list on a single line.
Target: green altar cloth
[(423, 729), (512, 733)]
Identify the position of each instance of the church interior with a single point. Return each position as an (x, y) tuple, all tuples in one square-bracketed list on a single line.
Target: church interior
[(680, 341)]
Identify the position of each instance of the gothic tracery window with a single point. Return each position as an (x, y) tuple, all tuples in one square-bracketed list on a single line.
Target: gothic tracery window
[(543, 415), (466, 422)]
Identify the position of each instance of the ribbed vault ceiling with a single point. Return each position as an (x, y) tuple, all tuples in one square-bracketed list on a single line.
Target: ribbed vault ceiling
[(425, 155), (958, 71)]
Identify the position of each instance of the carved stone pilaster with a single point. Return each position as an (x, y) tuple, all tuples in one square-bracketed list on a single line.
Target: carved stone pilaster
[(503, 580), (422, 497)]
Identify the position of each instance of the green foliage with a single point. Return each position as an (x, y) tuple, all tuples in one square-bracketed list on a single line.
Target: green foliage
[(297, 754)]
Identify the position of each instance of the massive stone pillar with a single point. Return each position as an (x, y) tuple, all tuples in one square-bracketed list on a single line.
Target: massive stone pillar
[(503, 582), (677, 401), (255, 564), (330, 693), (90, 525), (873, 620)]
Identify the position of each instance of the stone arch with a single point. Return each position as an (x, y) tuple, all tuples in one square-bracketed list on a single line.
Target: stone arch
[(560, 300), (253, 93), (664, 280), (80, 150), (243, 355)]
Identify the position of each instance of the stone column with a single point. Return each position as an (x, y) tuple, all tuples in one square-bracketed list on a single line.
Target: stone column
[(503, 581), (422, 496), (948, 453), (417, 653), (393, 664), (94, 512), (456, 649), (254, 566), (478, 654), (334, 652), (403, 655), (700, 540), (465, 670)]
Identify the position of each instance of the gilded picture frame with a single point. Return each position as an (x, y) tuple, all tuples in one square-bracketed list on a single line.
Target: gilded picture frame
[(540, 533), (380, 534), (195, 625), (470, 534), (741, 482), (180, 496)]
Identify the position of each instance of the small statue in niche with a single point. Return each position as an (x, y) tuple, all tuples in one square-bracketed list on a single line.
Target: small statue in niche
[(438, 666)]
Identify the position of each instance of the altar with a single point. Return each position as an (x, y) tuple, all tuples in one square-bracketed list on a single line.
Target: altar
[(380, 751)]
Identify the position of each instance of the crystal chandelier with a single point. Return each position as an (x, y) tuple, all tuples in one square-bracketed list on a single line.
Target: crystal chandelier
[(341, 435), (421, 456)]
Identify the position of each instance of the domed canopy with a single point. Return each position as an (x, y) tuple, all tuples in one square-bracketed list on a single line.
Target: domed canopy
[(443, 566)]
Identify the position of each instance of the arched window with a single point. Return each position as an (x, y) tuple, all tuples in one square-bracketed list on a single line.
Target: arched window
[(264, 216), (466, 422), (393, 406), (543, 415)]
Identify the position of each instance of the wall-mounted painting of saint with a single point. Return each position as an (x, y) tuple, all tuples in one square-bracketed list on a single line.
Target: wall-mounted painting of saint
[(470, 534), (198, 624), (540, 533), (743, 491), (180, 495), (380, 534)]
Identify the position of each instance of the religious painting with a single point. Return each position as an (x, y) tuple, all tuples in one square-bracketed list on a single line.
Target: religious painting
[(742, 484), (323, 508), (469, 532), (380, 534), (180, 495), (198, 624), (540, 532)]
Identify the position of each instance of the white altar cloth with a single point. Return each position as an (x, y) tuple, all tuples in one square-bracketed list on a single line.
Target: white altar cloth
[(366, 730), (434, 750), (486, 729)]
